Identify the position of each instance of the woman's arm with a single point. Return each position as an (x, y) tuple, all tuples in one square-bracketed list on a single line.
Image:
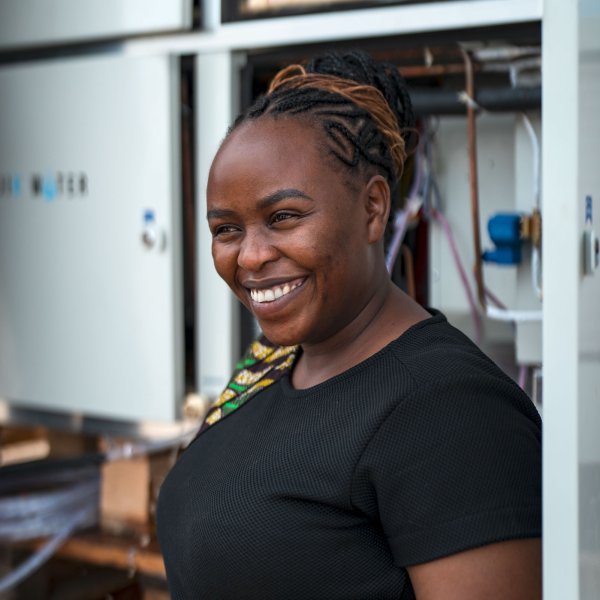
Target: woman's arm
[(508, 570)]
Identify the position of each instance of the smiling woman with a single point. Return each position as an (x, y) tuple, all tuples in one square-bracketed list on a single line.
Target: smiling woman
[(278, 221), (379, 454)]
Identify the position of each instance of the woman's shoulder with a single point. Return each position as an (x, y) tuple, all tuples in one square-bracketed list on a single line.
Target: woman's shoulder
[(434, 349)]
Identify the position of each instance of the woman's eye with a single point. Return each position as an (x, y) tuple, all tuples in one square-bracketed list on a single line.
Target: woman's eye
[(223, 230), (282, 216)]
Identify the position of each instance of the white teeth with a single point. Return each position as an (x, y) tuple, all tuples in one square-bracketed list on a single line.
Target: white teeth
[(274, 293)]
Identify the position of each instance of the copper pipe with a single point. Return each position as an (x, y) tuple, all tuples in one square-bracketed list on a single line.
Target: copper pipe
[(431, 71), (473, 184), (409, 270), (419, 54)]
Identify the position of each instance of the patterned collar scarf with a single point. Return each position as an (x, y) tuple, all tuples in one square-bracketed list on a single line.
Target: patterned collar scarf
[(263, 365)]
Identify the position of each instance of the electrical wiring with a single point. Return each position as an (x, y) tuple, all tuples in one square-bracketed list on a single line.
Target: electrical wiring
[(26, 517), (493, 298), (21, 507), (434, 212), (36, 560), (522, 378), (55, 498), (443, 222), (403, 216), (69, 504), (400, 226)]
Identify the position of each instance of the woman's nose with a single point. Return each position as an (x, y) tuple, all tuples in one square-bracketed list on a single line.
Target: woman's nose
[(256, 250)]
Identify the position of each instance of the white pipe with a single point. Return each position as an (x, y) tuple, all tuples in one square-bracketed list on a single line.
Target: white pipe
[(535, 146), (516, 316), (535, 271), (535, 252)]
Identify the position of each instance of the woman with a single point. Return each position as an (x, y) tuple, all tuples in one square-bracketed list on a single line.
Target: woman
[(364, 448)]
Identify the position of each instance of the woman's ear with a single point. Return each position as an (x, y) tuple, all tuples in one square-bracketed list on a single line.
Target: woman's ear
[(377, 203)]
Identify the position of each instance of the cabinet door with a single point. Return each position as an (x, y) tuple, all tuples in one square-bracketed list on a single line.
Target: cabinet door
[(571, 335), (90, 284), (39, 22)]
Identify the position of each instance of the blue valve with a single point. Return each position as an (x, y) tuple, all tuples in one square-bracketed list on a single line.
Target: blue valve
[(505, 232)]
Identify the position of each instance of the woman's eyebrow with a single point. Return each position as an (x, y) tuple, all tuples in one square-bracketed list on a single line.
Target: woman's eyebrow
[(273, 198), (281, 195), (219, 213)]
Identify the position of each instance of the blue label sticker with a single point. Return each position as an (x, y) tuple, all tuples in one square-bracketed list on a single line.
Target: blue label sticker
[(49, 188), (588, 209), (16, 185)]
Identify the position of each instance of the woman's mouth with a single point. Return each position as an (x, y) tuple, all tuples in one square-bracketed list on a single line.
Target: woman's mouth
[(270, 294)]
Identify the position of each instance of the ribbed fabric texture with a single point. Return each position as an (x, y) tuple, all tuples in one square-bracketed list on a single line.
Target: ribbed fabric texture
[(423, 450)]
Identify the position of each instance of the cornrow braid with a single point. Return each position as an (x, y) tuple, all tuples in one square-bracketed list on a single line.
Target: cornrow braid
[(364, 96), (362, 105)]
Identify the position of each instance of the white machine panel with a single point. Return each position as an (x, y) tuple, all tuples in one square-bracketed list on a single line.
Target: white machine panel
[(495, 144), (90, 316), (571, 333), (42, 22)]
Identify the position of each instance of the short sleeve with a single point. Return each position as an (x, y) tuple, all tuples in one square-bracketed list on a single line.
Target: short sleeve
[(456, 465)]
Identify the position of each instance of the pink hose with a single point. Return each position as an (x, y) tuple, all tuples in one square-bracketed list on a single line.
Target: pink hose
[(441, 219)]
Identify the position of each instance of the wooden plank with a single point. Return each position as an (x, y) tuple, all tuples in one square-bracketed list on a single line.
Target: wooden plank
[(118, 552)]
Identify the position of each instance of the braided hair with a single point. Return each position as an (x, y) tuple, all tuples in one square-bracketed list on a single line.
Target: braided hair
[(362, 105)]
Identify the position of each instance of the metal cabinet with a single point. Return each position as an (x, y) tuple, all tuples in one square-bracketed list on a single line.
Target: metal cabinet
[(90, 300)]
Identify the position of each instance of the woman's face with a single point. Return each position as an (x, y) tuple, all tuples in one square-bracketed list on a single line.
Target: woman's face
[(290, 237)]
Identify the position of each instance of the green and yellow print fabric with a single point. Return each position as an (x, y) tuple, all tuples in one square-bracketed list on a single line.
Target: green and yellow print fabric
[(263, 364)]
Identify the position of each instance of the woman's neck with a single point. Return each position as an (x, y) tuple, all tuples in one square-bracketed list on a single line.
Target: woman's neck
[(382, 320)]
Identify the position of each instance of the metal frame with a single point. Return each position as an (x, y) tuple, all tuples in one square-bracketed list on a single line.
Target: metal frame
[(338, 26), (560, 324)]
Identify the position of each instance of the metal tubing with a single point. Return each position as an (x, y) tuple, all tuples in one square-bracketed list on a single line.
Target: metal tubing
[(445, 102), (474, 187)]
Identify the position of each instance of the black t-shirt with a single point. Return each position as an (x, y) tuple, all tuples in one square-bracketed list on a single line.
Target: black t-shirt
[(422, 450)]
